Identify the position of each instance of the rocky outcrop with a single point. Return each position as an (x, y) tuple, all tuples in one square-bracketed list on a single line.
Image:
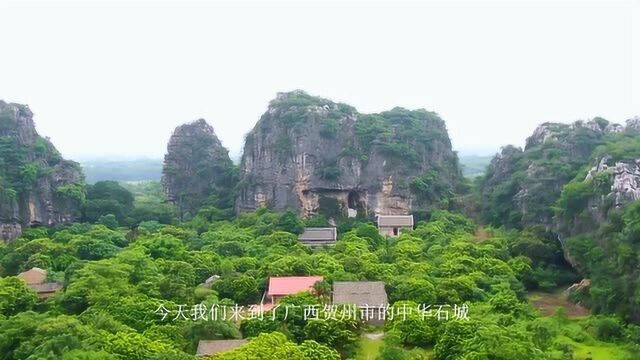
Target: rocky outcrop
[(521, 186), (37, 186), (197, 169), (612, 184), (318, 156), (583, 286), (633, 125), (624, 177)]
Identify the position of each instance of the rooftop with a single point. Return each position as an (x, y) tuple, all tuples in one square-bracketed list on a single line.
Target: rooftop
[(34, 276), (318, 234), (395, 220), (360, 293), (210, 347), (290, 285)]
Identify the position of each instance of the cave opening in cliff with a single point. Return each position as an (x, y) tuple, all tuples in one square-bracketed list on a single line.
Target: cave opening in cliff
[(355, 203)]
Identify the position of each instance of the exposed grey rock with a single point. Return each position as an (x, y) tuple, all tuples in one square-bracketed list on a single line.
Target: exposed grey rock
[(625, 179), (305, 154), (583, 285), (614, 128), (557, 131), (633, 125), (53, 195), (544, 133), (626, 182), (10, 231), (197, 169)]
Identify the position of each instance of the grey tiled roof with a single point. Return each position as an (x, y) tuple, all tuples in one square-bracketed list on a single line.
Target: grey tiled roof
[(210, 347), (318, 234), (395, 220), (360, 293)]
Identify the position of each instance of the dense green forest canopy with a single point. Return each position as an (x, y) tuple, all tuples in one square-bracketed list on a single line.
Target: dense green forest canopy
[(116, 278)]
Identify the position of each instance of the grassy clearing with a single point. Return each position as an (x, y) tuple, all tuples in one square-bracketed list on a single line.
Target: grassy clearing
[(369, 348), (596, 350)]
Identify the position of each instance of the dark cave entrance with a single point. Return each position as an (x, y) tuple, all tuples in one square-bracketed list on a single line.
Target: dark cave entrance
[(354, 199), (356, 203)]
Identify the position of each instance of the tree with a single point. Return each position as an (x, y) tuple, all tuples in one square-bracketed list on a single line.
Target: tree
[(88, 248), (315, 351), (341, 335), (108, 220), (290, 222), (242, 289), (450, 343), (108, 197), (417, 290), (273, 346), (15, 296), (412, 329)]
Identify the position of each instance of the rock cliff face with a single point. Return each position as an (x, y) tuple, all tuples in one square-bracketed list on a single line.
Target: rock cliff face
[(37, 186), (596, 223), (197, 169), (612, 181), (625, 179), (317, 156), (521, 186)]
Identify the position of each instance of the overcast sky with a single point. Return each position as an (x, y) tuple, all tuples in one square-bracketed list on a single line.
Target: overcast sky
[(114, 78)]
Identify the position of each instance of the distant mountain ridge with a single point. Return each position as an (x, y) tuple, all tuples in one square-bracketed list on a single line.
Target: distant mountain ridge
[(122, 170)]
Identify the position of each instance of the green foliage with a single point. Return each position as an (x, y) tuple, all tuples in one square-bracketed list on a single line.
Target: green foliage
[(29, 174), (409, 136), (431, 187), (540, 171), (109, 221), (330, 172), (335, 334), (574, 198), (30, 167), (608, 328), (113, 284), (330, 207), (73, 191), (15, 296), (289, 222), (611, 268), (243, 289), (283, 147), (108, 197), (329, 129), (273, 346)]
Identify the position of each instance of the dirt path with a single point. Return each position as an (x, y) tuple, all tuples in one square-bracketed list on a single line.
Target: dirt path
[(547, 302)]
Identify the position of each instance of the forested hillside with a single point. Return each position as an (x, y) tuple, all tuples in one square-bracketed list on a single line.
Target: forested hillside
[(581, 183)]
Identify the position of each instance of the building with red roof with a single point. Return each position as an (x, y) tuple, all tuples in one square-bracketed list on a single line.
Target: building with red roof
[(280, 287)]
